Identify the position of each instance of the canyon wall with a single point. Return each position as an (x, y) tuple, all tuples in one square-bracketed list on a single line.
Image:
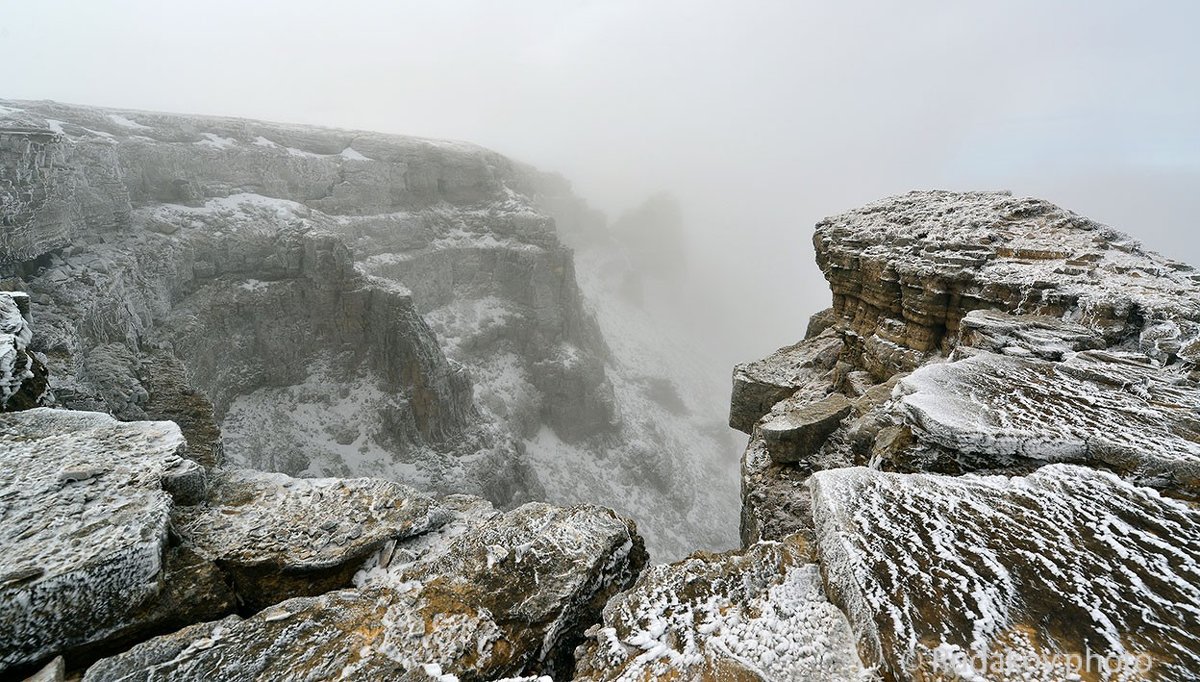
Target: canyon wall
[(322, 302)]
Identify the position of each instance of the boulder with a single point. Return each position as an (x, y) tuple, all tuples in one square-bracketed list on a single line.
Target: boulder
[(279, 537), (759, 385), (486, 596), (86, 503), (798, 431), (1111, 409)]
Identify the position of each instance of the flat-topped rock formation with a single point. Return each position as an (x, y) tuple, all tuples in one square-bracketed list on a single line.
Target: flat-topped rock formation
[(978, 341)]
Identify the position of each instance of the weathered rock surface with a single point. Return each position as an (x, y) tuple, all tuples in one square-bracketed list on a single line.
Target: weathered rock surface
[(505, 595), (23, 381), (905, 270), (278, 537), (799, 430), (759, 385), (984, 341), (85, 503), (1117, 410), (1064, 561), (755, 614)]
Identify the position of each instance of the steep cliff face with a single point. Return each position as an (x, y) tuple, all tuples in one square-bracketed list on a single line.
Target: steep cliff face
[(337, 303), (991, 439)]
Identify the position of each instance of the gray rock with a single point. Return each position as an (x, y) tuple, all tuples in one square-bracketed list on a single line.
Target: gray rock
[(82, 554), (1096, 407), (461, 609), (934, 570), (759, 385), (799, 430), (754, 614), (23, 382), (54, 671), (279, 537)]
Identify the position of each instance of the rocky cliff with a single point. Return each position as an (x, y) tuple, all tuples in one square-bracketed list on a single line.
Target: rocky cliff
[(320, 302), (990, 442)]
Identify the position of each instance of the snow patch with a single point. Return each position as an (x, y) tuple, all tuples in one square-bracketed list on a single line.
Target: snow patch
[(127, 123)]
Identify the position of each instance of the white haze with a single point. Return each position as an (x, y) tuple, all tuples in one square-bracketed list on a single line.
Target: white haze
[(760, 117)]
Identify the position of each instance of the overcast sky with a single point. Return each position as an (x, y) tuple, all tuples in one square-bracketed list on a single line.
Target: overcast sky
[(761, 117)]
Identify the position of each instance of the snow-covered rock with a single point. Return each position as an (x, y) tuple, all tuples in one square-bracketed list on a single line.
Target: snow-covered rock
[(503, 595), (759, 385), (23, 381), (984, 341), (754, 614), (1115, 410), (86, 504), (279, 537), (935, 571), (379, 305)]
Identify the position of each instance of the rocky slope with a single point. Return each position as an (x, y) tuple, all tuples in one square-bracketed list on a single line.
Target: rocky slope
[(335, 303)]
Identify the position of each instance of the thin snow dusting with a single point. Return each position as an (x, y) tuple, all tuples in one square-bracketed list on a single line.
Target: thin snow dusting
[(127, 123), (1042, 565), (761, 611), (1122, 410), (85, 525), (15, 336)]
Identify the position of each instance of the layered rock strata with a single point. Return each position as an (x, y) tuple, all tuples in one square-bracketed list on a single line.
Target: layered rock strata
[(324, 302), (991, 441)]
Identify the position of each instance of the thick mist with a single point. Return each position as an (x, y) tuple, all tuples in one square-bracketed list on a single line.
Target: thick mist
[(759, 118)]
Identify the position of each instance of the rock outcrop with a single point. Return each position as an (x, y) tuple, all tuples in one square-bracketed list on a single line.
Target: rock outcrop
[(87, 505), (938, 571), (23, 383), (920, 440)]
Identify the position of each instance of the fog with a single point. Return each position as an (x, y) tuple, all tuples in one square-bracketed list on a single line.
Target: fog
[(759, 117)]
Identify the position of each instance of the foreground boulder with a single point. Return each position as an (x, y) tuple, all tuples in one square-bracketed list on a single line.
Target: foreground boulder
[(86, 504), (279, 537), (505, 595), (938, 573), (755, 615)]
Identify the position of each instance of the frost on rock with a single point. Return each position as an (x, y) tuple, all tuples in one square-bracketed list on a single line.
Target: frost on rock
[(85, 504), (22, 375), (543, 572), (904, 271), (753, 614), (759, 385), (1066, 560), (283, 537), (485, 597), (1117, 410)]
